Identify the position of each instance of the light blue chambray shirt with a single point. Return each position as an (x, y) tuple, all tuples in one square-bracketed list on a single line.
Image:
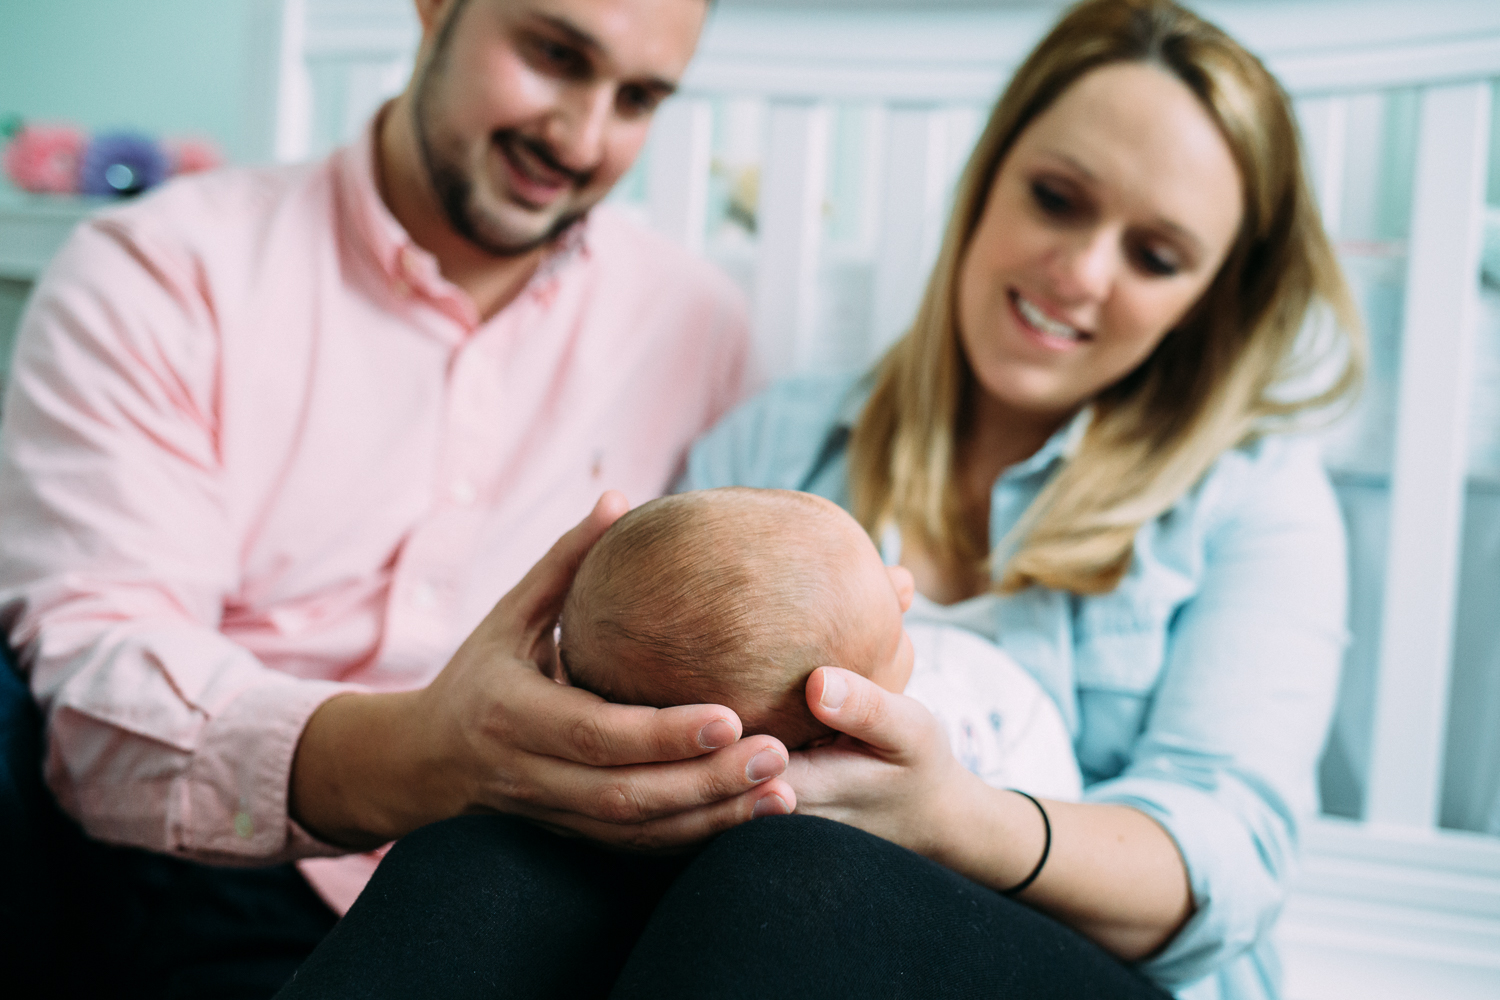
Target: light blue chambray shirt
[(1198, 691)]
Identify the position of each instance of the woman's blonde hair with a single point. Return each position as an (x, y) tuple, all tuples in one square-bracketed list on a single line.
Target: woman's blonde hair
[(1219, 377)]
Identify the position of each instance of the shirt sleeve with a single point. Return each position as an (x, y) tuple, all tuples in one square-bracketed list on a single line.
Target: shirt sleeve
[(1226, 762), (117, 555)]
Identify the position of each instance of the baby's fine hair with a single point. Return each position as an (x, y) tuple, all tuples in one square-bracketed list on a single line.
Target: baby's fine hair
[(729, 596)]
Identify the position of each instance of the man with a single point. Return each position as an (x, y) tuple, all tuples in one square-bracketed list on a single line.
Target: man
[(277, 440)]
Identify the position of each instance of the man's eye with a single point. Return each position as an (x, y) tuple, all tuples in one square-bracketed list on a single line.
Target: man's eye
[(636, 101), (1049, 199), (558, 57)]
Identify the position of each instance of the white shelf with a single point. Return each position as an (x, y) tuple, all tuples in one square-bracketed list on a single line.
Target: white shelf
[(33, 227)]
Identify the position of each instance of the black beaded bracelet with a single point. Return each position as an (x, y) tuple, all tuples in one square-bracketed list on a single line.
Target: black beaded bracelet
[(1046, 848)]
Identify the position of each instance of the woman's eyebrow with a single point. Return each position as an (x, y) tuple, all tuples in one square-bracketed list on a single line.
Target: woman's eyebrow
[(1192, 243), (580, 38)]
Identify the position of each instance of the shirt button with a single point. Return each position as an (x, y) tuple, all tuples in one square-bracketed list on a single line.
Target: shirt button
[(462, 492), (408, 259), (424, 595)]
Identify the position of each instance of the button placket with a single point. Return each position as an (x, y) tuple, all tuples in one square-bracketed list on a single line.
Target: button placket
[(462, 492), (424, 595)]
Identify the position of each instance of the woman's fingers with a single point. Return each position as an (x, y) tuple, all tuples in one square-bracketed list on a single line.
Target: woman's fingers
[(858, 707)]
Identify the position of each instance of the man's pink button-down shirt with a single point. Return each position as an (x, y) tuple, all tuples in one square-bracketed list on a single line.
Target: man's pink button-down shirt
[(256, 451)]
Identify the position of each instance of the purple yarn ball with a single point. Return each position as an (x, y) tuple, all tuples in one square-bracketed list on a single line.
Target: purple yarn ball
[(121, 164)]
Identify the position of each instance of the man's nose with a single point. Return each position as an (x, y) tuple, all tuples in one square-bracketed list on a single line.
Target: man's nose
[(578, 129)]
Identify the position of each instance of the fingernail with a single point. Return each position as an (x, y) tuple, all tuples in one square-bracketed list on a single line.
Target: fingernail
[(835, 690), (771, 805), (715, 735), (766, 764)]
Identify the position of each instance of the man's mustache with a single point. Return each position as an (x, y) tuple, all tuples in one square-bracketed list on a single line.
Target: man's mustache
[(510, 138)]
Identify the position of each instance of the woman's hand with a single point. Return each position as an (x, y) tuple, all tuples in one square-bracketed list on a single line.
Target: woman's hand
[(493, 733), (1111, 872), (891, 774)]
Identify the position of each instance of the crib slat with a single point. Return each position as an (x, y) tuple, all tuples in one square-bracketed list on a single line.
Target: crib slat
[(294, 90), (1323, 121), (1427, 481), (789, 228), (914, 181), (369, 81), (677, 173)]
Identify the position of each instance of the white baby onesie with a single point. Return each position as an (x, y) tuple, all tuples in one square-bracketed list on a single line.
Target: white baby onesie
[(1001, 724)]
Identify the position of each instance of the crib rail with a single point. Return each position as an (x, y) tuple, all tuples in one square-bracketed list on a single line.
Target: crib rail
[(919, 84), (1430, 464)]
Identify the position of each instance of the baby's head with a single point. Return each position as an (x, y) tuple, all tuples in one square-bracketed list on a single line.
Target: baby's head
[(733, 597)]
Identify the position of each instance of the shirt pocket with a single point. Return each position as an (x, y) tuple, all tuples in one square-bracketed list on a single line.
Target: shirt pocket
[(1120, 643)]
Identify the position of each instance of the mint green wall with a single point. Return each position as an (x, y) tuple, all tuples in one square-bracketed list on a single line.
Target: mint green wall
[(163, 66)]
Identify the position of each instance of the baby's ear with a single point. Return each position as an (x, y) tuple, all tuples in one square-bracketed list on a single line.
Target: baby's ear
[(905, 584), (556, 666)]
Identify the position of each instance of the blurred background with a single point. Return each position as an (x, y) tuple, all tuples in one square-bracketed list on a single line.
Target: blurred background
[(285, 80)]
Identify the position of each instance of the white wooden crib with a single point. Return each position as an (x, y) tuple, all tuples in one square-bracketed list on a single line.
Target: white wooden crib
[(835, 134)]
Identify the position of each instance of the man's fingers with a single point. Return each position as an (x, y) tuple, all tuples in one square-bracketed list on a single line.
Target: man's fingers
[(773, 798), (538, 598), (858, 707), (644, 792), (576, 725)]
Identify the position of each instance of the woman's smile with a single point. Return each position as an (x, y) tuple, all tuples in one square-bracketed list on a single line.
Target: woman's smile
[(1050, 333)]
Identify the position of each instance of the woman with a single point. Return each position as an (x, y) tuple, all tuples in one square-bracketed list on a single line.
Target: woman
[(1070, 452)]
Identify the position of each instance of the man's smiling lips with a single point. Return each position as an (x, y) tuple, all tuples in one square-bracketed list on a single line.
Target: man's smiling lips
[(533, 180), (1050, 332)]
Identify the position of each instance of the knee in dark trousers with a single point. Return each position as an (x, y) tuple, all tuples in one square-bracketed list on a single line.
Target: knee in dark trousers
[(797, 906), (488, 906)]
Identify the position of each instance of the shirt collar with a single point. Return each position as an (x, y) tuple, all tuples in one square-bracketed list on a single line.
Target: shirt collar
[(407, 266), (1062, 445)]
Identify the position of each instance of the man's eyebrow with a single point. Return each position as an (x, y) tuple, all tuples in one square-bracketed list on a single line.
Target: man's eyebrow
[(583, 40), (574, 34)]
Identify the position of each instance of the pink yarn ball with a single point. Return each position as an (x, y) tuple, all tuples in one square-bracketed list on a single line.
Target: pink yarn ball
[(43, 159), (191, 156)]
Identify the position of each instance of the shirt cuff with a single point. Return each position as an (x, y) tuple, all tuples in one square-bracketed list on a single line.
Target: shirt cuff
[(234, 806), (1238, 855)]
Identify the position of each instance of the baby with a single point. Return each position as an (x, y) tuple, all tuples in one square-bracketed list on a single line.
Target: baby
[(734, 596)]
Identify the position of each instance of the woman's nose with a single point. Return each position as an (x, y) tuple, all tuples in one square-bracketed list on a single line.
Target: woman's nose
[(1084, 268)]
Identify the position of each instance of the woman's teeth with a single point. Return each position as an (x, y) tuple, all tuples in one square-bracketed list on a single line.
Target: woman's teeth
[(1046, 324)]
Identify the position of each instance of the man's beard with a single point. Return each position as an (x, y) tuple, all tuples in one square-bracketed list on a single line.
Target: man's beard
[(454, 185)]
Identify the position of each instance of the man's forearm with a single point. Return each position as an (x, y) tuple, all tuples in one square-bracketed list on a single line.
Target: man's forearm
[(364, 774)]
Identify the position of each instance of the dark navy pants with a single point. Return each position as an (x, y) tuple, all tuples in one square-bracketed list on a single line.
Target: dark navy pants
[(788, 907), (83, 919)]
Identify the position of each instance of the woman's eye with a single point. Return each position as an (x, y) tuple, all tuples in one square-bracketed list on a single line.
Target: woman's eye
[(1049, 199), (1158, 262)]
